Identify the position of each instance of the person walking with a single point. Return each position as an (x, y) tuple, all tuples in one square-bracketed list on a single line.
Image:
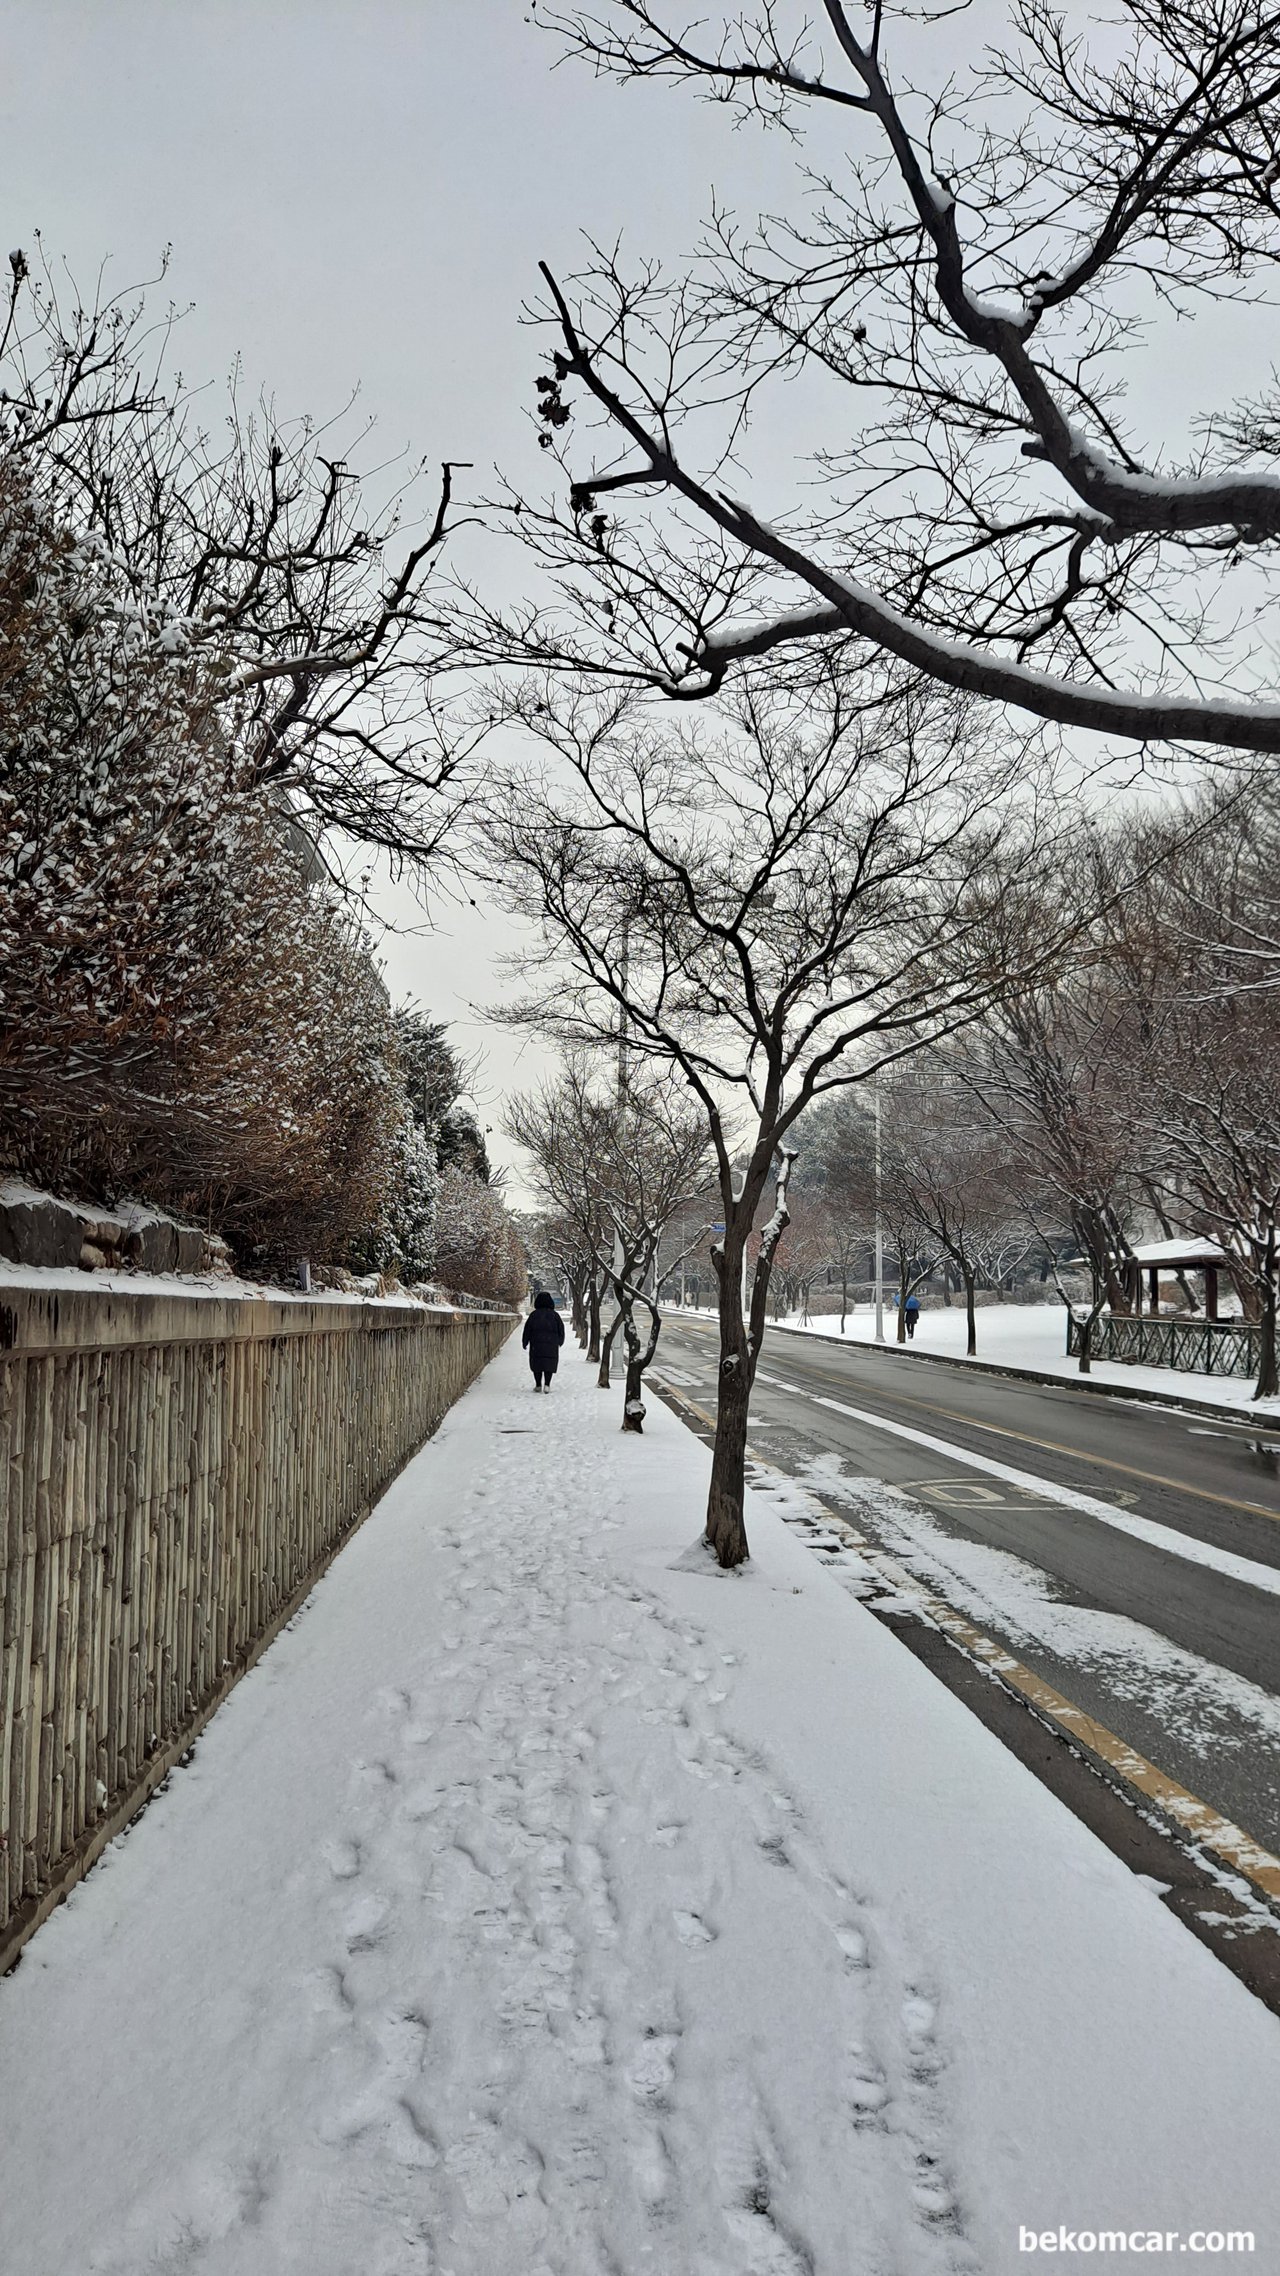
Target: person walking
[(543, 1336), (913, 1314)]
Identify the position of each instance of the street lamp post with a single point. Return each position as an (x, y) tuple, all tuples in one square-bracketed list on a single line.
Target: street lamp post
[(879, 1227)]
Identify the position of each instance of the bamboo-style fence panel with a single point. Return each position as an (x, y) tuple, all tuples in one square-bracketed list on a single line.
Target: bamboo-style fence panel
[(175, 1472)]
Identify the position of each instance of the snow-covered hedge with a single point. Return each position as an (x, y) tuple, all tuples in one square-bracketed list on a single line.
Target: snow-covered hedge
[(478, 1248), (186, 1011)]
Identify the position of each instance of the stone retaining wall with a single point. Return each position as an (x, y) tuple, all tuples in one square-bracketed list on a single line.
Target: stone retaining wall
[(175, 1472)]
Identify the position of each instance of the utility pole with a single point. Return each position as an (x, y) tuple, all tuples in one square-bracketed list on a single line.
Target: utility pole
[(622, 1015), (622, 1077), (879, 1227)]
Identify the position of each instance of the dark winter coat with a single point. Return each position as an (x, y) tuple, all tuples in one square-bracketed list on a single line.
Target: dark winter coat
[(543, 1334)]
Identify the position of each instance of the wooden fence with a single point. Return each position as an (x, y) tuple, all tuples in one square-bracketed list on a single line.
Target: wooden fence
[(175, 1472)]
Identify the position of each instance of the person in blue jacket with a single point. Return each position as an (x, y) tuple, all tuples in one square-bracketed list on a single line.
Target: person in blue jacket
[(913, 1313), (543, 1336)]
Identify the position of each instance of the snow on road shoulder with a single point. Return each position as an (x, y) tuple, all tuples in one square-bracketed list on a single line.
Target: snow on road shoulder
[(546, 1900), (1210, 1707)]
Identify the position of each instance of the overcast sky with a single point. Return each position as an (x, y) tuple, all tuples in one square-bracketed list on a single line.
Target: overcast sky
[(355, 194), (358, 194)]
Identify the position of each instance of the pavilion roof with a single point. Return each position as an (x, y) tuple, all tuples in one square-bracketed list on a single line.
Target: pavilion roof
[(1190, 1250)]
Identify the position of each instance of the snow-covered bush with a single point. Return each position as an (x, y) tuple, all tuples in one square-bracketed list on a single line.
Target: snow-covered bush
[(185, 1012), (461, 1143), (403, 1239), (435, 1079), (478, 1249)]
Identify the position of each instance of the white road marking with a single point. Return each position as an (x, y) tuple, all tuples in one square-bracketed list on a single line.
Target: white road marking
[(1184, 1545)]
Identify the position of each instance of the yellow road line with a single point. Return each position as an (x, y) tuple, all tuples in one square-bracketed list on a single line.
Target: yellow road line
[(1051, 1446), (684, 1400), (1206, 1826)]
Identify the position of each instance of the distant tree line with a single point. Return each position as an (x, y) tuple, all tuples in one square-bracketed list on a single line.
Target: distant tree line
[(1132, 1095), (617, 1162)]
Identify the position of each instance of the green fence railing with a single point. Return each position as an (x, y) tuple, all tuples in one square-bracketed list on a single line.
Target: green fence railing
[(1200, 1347)]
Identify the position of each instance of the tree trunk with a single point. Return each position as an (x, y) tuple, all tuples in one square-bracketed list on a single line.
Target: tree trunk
[(971, 1313), (740, 1345), (726, 1530), (1268, 1380), (844, 1295), (903, 1282), (1088, 1326), (606, 1351), (593, 1321), (1094, 1236), (632, 1399), (639, 1356), (726, 1523), (1091, 1239)]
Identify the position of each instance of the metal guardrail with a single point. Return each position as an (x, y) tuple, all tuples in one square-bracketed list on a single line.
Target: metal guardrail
[(1198, 1347)]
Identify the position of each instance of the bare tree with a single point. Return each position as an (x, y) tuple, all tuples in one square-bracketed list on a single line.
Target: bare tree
[(949, 1166), (289, 588), (837, 1163), (803, 1253), (912, 1242), (633, 1159), (1061, 1069), (771, 911), (974, 266), (656, 1166), (563, 1128), (1221, 1128), (1142, 1080), (684, 1252), (850, 1242), (1211, 1141)]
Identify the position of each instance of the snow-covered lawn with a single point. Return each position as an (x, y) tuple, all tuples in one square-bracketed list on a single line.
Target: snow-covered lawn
[(547, 1902), (1035, 1336)]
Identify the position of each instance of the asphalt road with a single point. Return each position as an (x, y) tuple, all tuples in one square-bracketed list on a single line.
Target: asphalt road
[(1177, 1658)]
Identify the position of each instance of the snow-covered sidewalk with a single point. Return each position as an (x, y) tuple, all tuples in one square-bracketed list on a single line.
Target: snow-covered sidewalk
[(1033, 1337), (546, 1901)]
